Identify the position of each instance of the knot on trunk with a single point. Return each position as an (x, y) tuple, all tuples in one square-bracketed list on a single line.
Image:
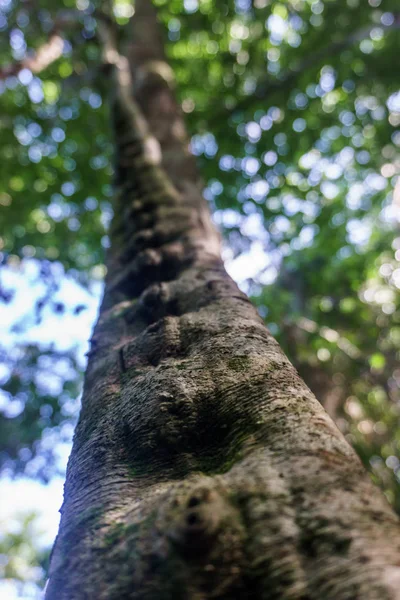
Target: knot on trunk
[(195, 517), (199, 518)]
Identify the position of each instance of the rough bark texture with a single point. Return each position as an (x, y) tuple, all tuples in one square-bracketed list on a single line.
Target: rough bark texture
[(202, 466)]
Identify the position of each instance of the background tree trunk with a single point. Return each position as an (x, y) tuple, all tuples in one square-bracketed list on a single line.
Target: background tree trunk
[(202, 465)]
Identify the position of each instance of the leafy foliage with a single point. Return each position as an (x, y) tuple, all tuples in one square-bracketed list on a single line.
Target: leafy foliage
[(21, 561), (293, 108)]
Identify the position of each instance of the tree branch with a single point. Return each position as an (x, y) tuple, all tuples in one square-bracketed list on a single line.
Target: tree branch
[(44, 56), (49, 52), (147, 147), (52, 50)]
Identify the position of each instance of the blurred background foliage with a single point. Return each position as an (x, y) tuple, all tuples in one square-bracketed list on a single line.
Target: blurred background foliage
[(293, 108)]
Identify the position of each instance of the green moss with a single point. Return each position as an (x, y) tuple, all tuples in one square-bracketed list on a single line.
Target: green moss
[(125, 532), (227, 459), (239, 363), (185, 365), (130, 374), (121, 310), (133, 472), (76, 531), (180, 366), (114, 534), (90, 516)]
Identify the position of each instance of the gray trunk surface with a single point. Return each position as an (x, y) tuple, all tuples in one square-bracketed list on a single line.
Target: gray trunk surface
[(202, 465)]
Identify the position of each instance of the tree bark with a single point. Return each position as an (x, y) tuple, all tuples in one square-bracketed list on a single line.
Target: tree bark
[(202, 465)]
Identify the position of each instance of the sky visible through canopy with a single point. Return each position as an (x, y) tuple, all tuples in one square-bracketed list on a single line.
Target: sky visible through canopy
[(293, 109)]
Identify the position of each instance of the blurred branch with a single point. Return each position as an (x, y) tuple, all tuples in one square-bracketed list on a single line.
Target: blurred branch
[(107, 34), (53, 49), (46, 54), (268, 86)]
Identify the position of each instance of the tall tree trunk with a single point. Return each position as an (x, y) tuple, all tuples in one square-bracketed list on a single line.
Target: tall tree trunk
[(202, 465)]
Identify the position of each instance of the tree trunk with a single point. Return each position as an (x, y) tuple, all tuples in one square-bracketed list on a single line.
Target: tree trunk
[(202, 465)]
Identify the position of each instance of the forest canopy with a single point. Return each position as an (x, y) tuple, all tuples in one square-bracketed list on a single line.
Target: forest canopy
[(293, 108)]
